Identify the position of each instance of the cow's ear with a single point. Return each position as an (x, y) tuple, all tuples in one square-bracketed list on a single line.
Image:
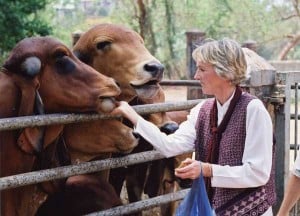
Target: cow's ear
[(30, 138), (23, 74)]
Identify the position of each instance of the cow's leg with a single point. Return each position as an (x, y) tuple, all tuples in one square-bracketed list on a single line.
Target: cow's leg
[(117, 178), (135, 180), (155, 177)]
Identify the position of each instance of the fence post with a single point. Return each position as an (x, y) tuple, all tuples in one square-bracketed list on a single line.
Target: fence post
[(282, 153), (283, 129), (193, 37)]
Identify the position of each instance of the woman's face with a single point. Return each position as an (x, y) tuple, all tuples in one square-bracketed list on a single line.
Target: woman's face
[(208, 78)]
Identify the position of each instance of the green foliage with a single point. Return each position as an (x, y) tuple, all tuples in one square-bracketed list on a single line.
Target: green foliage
[(68, 16), (258, 20), (19, 20), (164, 25)]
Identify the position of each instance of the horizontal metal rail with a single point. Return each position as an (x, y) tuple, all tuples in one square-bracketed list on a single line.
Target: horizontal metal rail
[(51, 119), (82, 168), (294, 86), (180, 83), (187, 83), (142, 205), (293, 116)]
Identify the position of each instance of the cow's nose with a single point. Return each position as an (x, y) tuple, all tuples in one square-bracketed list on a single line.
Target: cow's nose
[(169, 128), (136, 135), (155, 69)]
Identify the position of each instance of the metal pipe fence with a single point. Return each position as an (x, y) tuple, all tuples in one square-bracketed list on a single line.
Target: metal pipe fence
[(89, 167), (51, 119), (142, 205), (82, 168), (23, 179)]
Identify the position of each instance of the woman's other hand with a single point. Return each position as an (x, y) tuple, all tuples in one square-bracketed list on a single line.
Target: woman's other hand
[(192, 169)]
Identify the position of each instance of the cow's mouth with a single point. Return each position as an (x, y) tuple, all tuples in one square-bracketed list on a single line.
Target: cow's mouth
[(107, 104), (146, 89)]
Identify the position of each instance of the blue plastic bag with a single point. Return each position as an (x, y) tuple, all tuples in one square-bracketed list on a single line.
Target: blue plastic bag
[(196, 202)]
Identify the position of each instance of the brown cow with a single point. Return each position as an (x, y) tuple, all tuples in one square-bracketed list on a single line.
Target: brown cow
[(42, 68), (120, 53)]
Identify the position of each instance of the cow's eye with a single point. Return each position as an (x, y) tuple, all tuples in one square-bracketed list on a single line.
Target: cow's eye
[(65, 65), (103, 45), (59, 54)]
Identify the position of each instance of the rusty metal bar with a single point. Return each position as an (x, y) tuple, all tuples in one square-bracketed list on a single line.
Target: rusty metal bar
[(51, 119), (180, 83), (82, 168), (142, 205), (186, 83)]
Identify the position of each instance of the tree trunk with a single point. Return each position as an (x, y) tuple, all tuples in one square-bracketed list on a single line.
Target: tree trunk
[(294, 41), (145, 23), (171, 65)]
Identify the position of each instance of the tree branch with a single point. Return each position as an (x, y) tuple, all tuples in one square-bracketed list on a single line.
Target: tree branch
[(294, 41)]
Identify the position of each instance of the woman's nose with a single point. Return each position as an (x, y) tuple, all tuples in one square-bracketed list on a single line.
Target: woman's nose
[(196, 76)]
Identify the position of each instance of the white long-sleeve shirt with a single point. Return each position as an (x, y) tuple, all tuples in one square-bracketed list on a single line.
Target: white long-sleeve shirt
[(257, 157)]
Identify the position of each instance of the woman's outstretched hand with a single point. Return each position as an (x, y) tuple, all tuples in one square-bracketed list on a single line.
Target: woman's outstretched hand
[(125, 110)]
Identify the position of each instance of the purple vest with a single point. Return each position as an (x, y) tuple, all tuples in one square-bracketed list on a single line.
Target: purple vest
[(232, 201)]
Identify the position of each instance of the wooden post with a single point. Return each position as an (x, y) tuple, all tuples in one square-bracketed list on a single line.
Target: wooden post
[(250, 44), (193, 37), (282, 154)]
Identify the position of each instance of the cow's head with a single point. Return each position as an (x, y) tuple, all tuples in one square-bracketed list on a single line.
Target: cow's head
[(43, 67), (120, 53), (63, 82)]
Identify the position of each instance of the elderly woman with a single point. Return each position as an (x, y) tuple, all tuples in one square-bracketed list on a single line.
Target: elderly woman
[(231, 134)]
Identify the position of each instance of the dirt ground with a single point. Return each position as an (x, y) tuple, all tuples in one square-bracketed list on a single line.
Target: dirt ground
[(175, 93)]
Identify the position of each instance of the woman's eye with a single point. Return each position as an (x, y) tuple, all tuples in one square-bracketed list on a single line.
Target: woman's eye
[(200, 69)]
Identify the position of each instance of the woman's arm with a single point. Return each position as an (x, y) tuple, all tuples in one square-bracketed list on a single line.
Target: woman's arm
[(169, 145)]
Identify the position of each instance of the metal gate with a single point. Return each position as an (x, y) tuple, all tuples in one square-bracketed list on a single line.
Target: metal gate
[(288, 115)]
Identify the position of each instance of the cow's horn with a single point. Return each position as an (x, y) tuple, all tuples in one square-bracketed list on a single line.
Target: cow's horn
[(31, 66)]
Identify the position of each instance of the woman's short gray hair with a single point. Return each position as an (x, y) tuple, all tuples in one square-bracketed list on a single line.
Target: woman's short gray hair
[(227, 57)]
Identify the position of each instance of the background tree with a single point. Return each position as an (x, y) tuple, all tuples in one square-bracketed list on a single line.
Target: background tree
[(19, 19), (291, 14), (258, 20), (273, 25)]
